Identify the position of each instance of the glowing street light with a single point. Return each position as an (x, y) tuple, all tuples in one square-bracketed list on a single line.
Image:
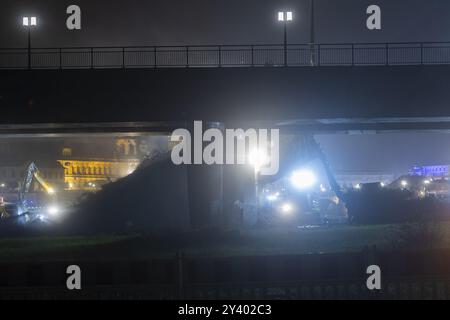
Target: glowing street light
[(404, 183), (29, 22), (285, 17)]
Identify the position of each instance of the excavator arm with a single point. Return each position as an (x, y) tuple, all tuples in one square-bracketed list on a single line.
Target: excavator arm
[(33, 172), (327, 168)]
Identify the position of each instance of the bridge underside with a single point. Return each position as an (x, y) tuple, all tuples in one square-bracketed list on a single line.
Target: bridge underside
[(320, 98)]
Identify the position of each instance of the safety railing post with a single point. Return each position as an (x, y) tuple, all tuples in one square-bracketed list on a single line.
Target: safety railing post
[(187, 57), (318, 55), (252, 49), (60, 58), (421, 53), (220, 56), (92, 58), (353, 54), (387, 54), (123, 57)]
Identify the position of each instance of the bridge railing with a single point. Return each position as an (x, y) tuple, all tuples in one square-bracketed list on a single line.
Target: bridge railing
[(297, 55)]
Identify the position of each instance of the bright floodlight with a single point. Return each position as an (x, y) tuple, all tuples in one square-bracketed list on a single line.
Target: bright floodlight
[(426, 181), (286, 208), (285, 16), (289, 16), (280, 16), (404, 183), (258, 158), (303, 179), (358, 186), (29, 21), (382, 184), (51, 190), (53, 210)]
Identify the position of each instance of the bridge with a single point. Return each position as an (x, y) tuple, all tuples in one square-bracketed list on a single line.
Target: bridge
[(333, 88), (258, 55)]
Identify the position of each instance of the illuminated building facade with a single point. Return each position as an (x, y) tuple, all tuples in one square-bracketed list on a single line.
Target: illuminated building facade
[(430, 171), (78, 163), (90, 174), (83, 174)]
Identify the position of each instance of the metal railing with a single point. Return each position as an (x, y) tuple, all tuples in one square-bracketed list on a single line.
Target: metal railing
[(298, 55), (419, 288)]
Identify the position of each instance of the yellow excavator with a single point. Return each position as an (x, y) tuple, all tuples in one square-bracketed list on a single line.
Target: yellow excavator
[(41, 205)]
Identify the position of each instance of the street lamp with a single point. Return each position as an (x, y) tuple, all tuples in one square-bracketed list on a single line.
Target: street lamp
[(29, 22), (285, 17)]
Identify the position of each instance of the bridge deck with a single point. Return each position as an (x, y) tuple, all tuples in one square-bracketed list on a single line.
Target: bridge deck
[(296, 97)]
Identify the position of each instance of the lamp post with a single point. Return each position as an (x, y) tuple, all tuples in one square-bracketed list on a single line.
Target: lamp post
[(285, 17), (29, 22), (312, 35)]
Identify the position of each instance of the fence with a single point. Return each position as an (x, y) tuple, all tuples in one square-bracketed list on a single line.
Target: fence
[(297, 55), (408, 275), (393, 288)]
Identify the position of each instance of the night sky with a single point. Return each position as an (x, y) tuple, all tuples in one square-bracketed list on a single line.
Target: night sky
[(174, 22)]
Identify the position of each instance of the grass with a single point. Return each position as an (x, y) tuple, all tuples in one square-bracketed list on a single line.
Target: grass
[(207, 243)]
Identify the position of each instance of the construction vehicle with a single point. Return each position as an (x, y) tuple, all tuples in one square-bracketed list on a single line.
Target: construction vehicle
[(32, 206), (310, 205)]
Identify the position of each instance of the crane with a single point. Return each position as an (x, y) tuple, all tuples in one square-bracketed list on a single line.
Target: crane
[(26, 207), (303, 149), (33, 172), (296, 153)]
